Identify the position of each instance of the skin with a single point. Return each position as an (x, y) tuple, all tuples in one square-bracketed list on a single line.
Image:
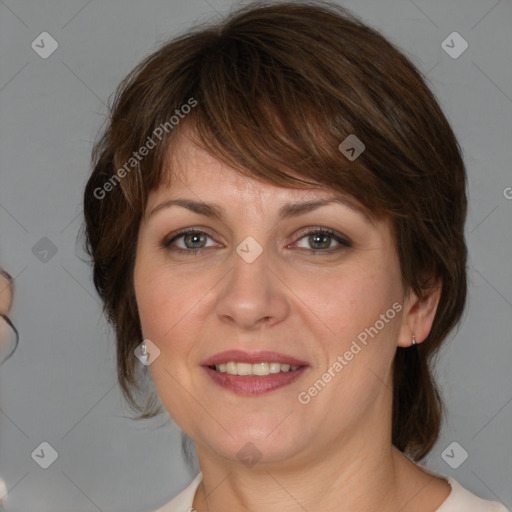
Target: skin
[(335, 452)]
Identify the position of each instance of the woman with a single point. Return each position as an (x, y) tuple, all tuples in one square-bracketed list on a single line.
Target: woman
[(276, 219)]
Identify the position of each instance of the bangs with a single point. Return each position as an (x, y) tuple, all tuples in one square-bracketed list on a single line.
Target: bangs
[(268, 114)]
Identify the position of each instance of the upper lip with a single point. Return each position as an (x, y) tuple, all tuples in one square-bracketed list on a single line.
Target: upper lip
[(241, 356)]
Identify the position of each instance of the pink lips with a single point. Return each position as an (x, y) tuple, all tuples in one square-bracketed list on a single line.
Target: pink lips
[(253, 384)]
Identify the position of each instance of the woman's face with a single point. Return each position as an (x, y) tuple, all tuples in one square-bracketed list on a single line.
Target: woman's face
[(256, 280)]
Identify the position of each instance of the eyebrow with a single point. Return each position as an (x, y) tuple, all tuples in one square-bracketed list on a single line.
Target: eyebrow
[(285, 212)]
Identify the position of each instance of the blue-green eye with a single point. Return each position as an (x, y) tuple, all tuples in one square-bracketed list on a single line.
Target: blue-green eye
[(321, 240), (193, 241)]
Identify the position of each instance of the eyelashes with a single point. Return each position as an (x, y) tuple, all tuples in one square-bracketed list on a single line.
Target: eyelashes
[(312, 237), (324, 237), (192, 233)]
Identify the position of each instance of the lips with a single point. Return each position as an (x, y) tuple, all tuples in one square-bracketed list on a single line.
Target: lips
[(253, 384), (252, 357)]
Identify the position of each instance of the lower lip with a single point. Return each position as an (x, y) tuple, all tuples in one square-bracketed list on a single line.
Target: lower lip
[(254, 384)]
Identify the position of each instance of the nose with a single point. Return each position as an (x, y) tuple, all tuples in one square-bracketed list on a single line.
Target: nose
[(253, 294)]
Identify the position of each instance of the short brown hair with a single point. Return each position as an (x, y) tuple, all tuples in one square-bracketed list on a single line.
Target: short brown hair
[(276, 87)]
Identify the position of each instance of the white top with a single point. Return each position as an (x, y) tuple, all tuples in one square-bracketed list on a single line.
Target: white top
[(459, 500)]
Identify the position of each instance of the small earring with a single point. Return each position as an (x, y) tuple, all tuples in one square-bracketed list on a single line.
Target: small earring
[(414, 340)]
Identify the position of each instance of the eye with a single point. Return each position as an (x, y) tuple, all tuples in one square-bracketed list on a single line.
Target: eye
[(188, 241), (321, 240)]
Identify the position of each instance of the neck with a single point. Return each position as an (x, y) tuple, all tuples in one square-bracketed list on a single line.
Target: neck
[(358, 477)]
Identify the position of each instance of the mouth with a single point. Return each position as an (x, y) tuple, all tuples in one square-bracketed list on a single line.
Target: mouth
[(253, 373)]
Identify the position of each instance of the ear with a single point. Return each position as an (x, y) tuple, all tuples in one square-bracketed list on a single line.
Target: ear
[(418, 315)]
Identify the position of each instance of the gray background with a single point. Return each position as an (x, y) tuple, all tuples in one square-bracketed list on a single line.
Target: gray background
[(60, 386)]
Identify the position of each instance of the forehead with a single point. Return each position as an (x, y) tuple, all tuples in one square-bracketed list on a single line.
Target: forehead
[(190, 165), (190, 170)]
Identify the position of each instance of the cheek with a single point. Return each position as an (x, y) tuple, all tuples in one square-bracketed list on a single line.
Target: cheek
[(165, 304), (360, 316), (164, 299), (173, 304), (351, 301)]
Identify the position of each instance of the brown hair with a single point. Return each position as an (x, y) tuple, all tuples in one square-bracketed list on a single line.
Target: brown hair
[(280, 86)]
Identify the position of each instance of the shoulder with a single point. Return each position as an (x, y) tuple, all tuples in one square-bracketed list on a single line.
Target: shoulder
[(462, 500), (183, 501)]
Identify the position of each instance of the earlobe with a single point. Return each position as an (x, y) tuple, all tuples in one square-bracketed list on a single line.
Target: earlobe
[(419, 314)]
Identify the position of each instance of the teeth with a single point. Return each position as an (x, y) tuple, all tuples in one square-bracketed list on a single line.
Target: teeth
[(275, 367), (243, 368), (264, 368), (260, 368)]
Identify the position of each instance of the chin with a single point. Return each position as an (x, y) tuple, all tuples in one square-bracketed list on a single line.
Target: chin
[(256, 445)]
